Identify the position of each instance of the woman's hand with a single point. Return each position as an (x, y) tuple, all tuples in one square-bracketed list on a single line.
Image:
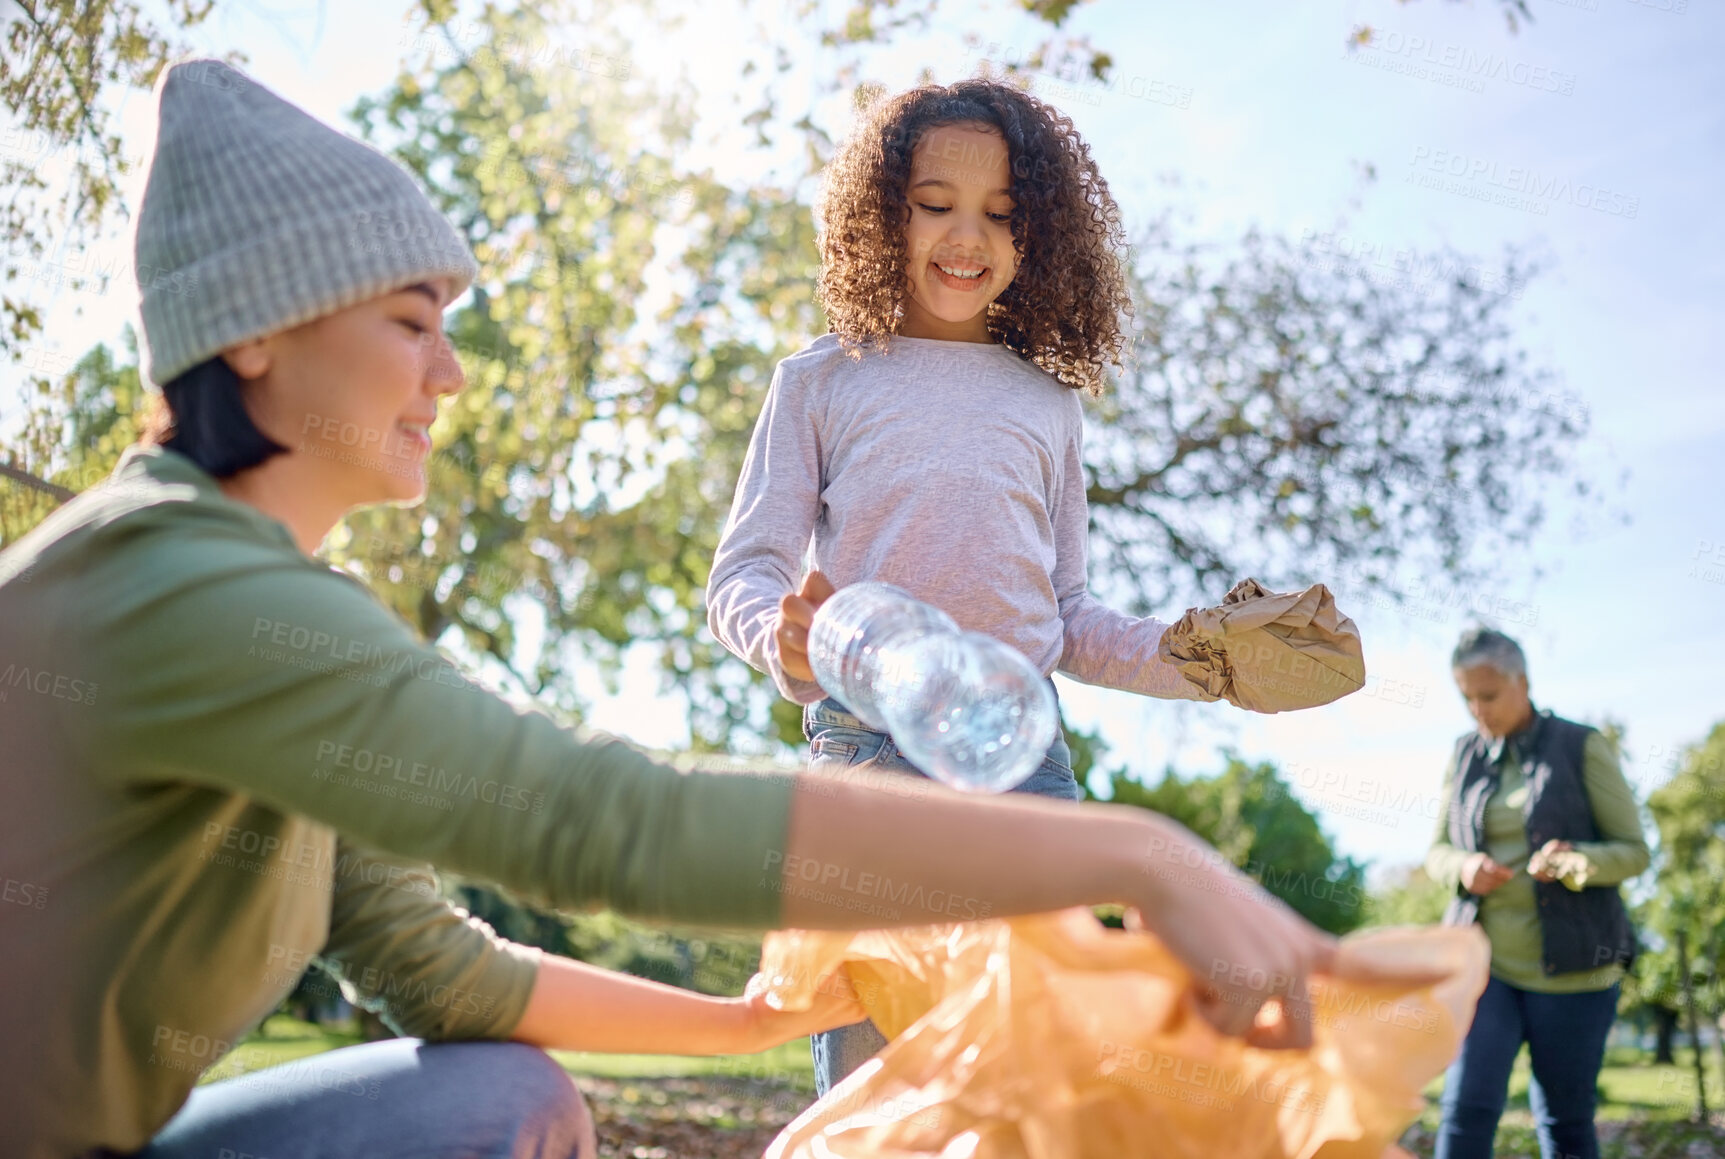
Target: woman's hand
[(796, 613), (1480, 874), (1548, 865), (835, 1004), (1250, 954)]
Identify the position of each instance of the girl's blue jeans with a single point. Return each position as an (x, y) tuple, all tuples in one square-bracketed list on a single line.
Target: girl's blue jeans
[(839, 741), (1565, 1035)]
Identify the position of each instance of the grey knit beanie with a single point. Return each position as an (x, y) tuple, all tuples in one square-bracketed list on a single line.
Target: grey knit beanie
[(258, 217)]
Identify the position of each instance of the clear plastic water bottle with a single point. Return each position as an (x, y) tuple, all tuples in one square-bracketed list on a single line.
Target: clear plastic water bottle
[(965, 708)]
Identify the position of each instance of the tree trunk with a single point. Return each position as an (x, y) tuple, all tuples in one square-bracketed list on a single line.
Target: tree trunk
[(1718, 1002), (1694, 1027), (1719, 1037), (1664, 1030)]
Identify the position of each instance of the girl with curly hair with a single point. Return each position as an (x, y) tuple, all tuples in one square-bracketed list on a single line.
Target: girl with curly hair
[(933, 440)]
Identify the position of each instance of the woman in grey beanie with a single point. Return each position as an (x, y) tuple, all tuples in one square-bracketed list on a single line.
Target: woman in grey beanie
[(227, 762)]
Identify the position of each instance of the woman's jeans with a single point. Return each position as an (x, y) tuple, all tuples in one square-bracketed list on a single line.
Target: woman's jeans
[(382, 1100), (840, 741), (1565, 1034)]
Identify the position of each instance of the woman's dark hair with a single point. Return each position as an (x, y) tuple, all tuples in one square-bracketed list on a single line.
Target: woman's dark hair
[(201, 415), (1064, 307)]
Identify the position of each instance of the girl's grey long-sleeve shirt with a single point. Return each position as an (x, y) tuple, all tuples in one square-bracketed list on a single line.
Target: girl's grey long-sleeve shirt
[(951, 469)]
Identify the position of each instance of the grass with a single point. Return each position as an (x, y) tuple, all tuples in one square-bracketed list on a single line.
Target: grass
[(1631, 1086), (646, 1100), (282, 1039)]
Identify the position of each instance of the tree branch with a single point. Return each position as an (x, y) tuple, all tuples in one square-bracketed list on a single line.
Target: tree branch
[(29, 480)]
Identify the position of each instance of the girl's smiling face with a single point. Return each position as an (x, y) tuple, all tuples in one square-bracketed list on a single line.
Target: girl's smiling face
[(959, 235)]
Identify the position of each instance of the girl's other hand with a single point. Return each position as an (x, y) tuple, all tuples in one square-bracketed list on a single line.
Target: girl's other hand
[(796, 613), (835, 1004)]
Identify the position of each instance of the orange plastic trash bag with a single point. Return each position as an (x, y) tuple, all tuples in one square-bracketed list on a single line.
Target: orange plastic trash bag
[(1055, 1037)]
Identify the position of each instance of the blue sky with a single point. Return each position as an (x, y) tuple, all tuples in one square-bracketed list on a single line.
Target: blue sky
[(1595, 138)]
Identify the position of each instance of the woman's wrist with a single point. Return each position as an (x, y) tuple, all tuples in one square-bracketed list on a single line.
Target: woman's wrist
[(1169, 859), (754, 1021)]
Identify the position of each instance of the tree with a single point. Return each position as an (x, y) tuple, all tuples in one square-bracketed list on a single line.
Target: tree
[(75, 428), (588, 464), (1409, 898), (1682, 967), (1249, 814), (1281, 416), (1298, 421), (860, 23), (59, 61)]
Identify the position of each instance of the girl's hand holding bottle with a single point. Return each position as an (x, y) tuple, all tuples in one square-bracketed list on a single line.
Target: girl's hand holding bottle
[(796, 613)]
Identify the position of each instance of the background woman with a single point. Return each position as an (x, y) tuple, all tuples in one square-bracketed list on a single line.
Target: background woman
[(1539, 829)]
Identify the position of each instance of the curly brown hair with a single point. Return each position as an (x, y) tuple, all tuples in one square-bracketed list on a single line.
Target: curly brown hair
[(1065, 305)]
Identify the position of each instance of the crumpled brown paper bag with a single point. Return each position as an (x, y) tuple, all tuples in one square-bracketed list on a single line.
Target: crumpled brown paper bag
[(1054, 1037), (1268, 651)]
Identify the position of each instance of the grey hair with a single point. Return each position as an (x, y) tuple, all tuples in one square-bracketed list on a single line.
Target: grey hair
[(1489, 646)]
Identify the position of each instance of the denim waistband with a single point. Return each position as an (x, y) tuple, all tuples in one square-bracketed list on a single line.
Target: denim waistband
[(825, 712), (834, 704)]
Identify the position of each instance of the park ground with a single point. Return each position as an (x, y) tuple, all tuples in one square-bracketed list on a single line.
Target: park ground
[(652, 1107)]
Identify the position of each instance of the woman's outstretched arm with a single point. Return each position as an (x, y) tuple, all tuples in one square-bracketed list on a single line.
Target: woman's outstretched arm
[(871, 851)]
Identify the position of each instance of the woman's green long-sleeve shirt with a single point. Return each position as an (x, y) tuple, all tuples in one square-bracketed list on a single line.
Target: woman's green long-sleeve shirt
[(1509, 914), (220, 758)]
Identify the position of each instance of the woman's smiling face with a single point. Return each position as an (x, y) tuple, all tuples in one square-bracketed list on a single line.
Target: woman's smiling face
[(959, 235), (354, 392)]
